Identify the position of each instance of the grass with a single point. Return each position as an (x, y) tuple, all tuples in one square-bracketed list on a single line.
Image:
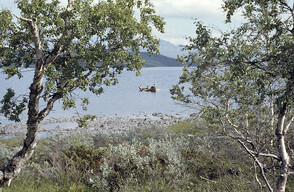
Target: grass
[(196, 128), (39, 184), (12, 142), (182, 157)]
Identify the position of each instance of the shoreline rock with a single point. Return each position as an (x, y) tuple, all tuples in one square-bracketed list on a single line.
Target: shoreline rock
[(69, 125)]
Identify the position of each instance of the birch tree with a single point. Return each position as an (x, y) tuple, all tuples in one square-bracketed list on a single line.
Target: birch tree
[(242, 83), (80, 46)]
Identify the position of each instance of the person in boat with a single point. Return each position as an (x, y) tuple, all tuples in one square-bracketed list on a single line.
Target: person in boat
[(153, 88)]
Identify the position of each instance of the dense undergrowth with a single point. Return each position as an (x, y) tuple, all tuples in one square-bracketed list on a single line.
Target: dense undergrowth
[(183, 157)]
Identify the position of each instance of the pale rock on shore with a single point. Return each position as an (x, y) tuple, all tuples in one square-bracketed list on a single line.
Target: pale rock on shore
[(69, 125)]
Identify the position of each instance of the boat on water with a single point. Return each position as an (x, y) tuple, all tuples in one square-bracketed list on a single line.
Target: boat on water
[(151, 89)]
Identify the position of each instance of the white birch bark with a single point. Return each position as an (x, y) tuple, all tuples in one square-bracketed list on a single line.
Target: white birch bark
[(282, 150)]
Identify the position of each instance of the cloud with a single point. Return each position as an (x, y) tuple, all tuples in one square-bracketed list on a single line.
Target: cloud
[(185, 8), (189, 8), (177, 41), (10, 5), (179, 16)]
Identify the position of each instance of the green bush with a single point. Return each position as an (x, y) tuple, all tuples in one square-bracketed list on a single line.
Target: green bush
[(85, 158), (142, 159), (8, 147), (157, 160)]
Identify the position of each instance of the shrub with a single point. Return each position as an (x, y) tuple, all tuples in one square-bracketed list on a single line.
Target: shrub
[(85, 158), (135, 162), (6, 152), (142, 159)]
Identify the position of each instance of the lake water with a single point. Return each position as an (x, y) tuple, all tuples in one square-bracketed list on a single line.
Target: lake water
[(124, 99)]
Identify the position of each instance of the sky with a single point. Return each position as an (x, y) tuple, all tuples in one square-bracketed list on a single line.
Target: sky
[(179, 16)]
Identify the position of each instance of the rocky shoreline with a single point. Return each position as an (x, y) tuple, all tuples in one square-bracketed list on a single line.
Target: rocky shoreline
[(55, 126)]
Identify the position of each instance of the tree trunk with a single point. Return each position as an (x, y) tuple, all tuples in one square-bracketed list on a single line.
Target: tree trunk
[(283, 154), (13, 168)]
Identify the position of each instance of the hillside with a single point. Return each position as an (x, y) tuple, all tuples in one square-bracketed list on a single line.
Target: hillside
[(170, 50), (159, 61)]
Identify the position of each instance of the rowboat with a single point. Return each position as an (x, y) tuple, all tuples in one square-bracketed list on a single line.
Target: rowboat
[(152, 89)]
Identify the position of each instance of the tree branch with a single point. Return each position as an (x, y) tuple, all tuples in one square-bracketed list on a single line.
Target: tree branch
[(256, 176), (254, 152), (42, 114), (207, 179), (255, 64), (33, 23), (59, 45), (69, 4), (260, 165), (288, 125), (54, 53), (267, 155), (22, 18), (288, 8), (86, 77), (230, 122)]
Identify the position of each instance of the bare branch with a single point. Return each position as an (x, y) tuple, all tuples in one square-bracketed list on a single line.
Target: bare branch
[(22, 18), (256, 176), (260, 165), (207, 179), (227, 116), (230, 122), (288, 125), (272, 113), (267, 155), (1, 175)]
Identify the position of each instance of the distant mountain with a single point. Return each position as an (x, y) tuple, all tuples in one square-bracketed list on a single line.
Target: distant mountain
[(159, 61), (170, 50), (167, 57)]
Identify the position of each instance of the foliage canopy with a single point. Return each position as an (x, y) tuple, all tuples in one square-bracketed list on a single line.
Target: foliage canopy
[(242, 82), (81, 47)]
